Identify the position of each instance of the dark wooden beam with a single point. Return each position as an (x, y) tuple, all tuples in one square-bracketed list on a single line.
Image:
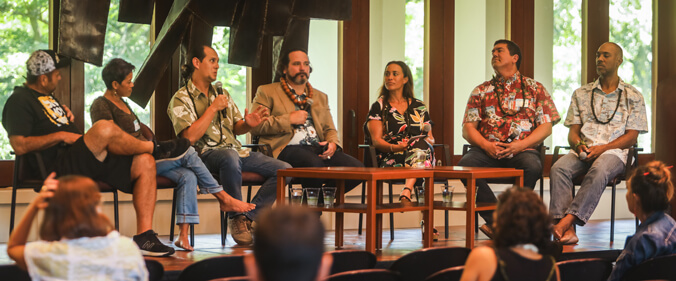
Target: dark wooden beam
[(262, 74), (522, 31), (441, 70), (169, 83), (598, 32), (665, 98), (355, 77)]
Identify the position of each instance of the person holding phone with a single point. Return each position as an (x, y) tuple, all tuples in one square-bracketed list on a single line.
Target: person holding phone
[(395, 120), (300, 128)]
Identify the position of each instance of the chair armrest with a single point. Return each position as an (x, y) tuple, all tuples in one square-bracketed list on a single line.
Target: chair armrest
[(263, 148), (446, 153), (369, 155), (465, 148), (556, 153)]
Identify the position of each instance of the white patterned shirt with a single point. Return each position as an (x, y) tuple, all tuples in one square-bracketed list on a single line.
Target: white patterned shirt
[(110, 257), (630, 115)]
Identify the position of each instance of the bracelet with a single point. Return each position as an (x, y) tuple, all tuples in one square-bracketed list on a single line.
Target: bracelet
[(391, 148), (580, 142)]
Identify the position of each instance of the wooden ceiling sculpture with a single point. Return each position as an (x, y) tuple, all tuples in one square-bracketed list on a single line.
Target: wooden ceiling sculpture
[(83, 24)]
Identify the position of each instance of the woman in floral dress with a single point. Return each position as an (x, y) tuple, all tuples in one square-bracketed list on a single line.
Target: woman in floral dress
[(395, 120)]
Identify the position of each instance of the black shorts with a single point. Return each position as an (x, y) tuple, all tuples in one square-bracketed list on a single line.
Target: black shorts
[(79, 160)]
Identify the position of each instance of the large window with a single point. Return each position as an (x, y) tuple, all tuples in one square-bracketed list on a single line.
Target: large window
[(631, 28), (232, 76), (415, 44), (567, 61), (24, 27), (127, 41)]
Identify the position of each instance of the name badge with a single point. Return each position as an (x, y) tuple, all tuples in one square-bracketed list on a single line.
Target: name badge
[(137, 126)]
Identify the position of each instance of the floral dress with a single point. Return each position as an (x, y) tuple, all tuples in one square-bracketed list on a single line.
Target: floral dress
[(398, 126)]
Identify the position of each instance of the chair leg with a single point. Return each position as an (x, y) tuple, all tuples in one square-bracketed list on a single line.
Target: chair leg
[(446, 223), (192, 235), (612, 216), (224, 227), (172, 225), (12, 211), (248, 195), (542, 187), (363, 201), (391, 217), (116, 209), (476, 222)]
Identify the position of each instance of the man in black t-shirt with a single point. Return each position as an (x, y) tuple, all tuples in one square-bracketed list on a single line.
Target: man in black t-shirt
[(37, 122)]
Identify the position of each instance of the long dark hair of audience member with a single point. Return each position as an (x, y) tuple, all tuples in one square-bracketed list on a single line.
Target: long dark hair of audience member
[(520, 243)]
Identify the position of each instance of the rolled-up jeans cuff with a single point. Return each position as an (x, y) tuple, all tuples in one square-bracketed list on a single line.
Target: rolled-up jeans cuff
[(187, 218), (210, 190)]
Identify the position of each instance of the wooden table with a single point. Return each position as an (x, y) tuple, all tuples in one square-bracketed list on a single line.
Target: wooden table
[(374, 208), (471, 174)]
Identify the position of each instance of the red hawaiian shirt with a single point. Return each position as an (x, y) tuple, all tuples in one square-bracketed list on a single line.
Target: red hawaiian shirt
[(504, 114)]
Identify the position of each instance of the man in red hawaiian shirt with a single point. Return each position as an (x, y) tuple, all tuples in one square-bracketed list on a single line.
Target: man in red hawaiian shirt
[(505, 119)]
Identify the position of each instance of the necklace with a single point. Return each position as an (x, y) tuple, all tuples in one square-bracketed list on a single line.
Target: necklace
[(529, 247), (499, 89), (292, 94), (611, 116)]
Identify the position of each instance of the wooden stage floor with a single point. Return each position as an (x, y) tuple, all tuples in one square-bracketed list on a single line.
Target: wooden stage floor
[(594, 241)]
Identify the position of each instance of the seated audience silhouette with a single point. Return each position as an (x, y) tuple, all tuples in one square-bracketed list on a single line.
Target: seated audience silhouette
[(522, 235), (289, 246), (649, 190), (77, 241)]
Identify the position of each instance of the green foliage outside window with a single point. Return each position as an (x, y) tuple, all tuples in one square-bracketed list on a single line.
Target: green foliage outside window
[(24, 27)]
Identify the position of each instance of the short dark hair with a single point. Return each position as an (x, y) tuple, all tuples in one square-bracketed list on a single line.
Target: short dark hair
[(652, 183), (513, 49), (284, 61), (289, 244), (32, 79), (115, 71), (521, 218), (196, 51)]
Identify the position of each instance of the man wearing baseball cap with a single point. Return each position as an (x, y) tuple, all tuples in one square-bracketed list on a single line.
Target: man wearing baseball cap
[(37, 122)]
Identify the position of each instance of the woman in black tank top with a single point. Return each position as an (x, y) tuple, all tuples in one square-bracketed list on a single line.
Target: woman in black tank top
[(522, 230)]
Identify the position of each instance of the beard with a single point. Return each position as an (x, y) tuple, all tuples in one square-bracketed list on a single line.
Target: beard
[(299, 78)]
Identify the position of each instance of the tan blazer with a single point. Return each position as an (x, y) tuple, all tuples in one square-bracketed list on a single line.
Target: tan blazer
[(277, 130)]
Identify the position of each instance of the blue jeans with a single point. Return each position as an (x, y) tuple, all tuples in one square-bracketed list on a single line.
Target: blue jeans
[(597, 175), (188, 172), (229, 166), (528, 161)]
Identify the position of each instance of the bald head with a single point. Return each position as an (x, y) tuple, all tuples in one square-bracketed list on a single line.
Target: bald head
[(608, 59)]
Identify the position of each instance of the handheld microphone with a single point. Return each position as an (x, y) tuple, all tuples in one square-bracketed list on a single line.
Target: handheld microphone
[(426, 128), (309, 103), (583, 155), (219, 87), (219, 91)]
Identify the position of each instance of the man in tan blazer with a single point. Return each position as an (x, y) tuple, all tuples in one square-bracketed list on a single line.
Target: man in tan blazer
[(300, 129)]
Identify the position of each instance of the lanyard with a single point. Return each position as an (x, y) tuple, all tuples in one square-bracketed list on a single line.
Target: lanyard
[(523, 98)]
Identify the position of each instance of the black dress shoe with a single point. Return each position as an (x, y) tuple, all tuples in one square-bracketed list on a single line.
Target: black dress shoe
[(487, 230)]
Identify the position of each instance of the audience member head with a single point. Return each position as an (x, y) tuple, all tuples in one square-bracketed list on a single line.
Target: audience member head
[(289, 244), (649, 188), (400, 78), (514, 50), (200, 58), (74, 211), (286, 63), (521, 218), (42, 70), (116, 70)]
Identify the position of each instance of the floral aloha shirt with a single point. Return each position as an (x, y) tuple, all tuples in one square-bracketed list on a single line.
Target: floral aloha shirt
[(503, 113), (396, 127)]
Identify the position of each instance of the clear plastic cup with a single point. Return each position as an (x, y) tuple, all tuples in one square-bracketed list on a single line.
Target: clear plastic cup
[(312, 195), (329, 196), (296, 196), (421, 195)]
